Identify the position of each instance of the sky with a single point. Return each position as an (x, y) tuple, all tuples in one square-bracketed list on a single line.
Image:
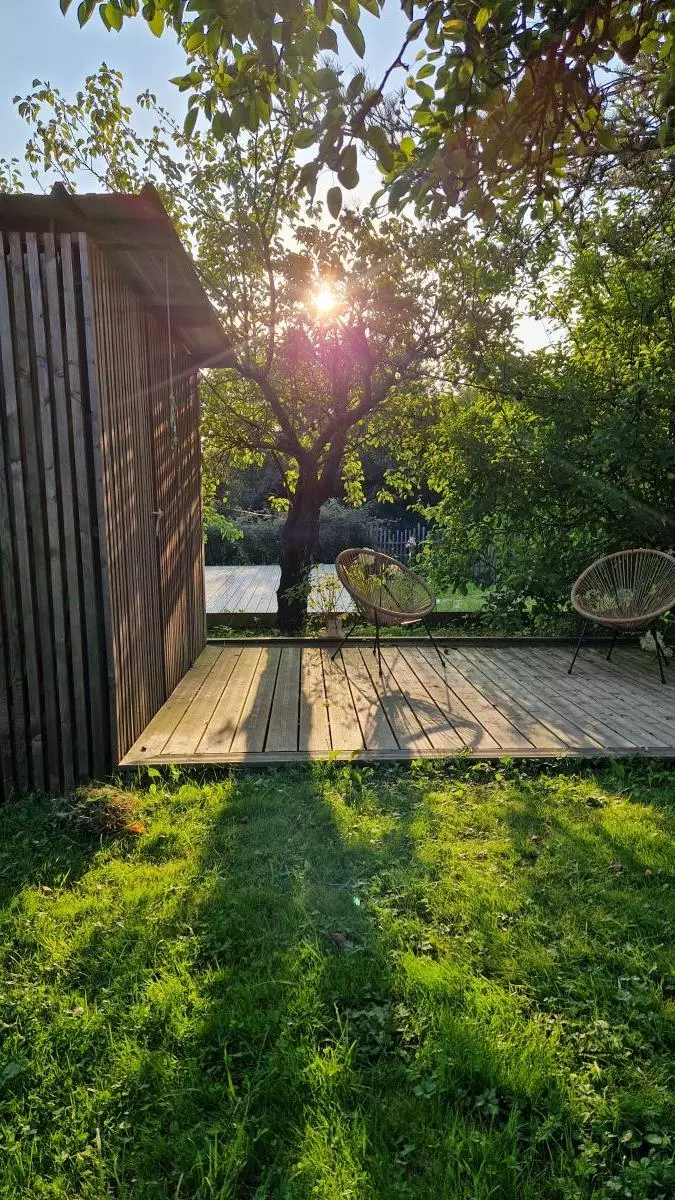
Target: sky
[(38, 42)]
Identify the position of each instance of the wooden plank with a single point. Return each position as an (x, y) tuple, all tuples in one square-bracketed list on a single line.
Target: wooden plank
[(430, 715), (39, 609), (405, 726), (255, 715), (470, 731), (77, 648), (265, 598), (370, 756), (222, 727), (90, 665), (237, 584), (375, 728), (14, 564), (627, 708), (190, 729), (111, 698), (572, 705), (56, 632), (314, 728), (546, 728), (158, 731), (282, 733), (477, 671), (496, 725), (345, 730), (626, 726), (626, 664), (214, 579)]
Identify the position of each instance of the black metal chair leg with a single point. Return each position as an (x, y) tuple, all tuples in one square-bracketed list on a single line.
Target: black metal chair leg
[(581, 638), (660, 657), (434, 643), (348, 634), (614, 637), (376, 649)]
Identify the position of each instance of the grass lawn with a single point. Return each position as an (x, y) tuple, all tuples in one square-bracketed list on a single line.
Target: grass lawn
[(433, 981), (473, 601)]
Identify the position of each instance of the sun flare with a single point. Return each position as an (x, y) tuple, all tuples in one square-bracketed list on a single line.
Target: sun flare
[(324, 300)]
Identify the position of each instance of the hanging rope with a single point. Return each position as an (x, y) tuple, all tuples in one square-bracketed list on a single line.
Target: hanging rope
[(173, 419)]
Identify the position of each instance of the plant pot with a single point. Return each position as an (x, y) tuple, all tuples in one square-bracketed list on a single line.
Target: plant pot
[(333, 628)]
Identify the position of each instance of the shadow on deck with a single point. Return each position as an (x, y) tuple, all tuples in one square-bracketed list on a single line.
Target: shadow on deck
[(266, 702)]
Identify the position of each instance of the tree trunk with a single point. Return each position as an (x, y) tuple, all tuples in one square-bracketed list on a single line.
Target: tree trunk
[(299, 539)]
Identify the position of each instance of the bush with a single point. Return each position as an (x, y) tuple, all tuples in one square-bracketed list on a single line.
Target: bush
[(260, 535)]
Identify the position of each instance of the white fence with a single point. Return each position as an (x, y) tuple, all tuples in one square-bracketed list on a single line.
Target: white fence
[(402, 544)]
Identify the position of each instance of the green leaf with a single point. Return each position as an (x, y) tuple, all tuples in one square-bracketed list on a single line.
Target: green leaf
[(354, 36), (355, 87), (347, 171), (321, 10), (190, 122), (334, 201), (377, 138), (308, 176), (465, 70), (482, 17), (606, 137), (397, 191), (326, 80), (194, 41), (85, 10), (220, 126), (11, 1070), (157, 23), (65, 5), (304, 138), (414, 29), (328, 40), (407, 147)]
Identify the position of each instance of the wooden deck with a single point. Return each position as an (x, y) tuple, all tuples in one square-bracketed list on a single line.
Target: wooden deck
[(254, 590), (248, 702)]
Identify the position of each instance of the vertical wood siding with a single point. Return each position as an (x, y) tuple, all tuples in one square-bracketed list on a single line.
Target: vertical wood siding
[(151, 502), (101, 600), (53, 685)]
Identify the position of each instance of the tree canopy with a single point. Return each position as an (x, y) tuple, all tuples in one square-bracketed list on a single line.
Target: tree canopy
[(483, 104), (569, 452), (328, 324)]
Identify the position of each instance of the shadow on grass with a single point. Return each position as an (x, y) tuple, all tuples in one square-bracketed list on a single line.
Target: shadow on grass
[(345, 982)]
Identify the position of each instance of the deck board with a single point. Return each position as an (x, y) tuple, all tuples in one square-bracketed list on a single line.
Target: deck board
[(253, 589), (244, 702), (282, 734)]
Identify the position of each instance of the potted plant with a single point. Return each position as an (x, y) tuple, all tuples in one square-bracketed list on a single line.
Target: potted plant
[(323, 600)]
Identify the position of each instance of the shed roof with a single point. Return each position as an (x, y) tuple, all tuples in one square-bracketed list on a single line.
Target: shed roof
[(138, 236)]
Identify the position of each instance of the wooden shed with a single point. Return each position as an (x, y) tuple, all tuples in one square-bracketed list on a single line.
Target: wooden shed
[(103, 326)]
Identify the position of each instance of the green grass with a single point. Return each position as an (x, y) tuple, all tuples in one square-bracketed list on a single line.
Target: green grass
[(342, 982), (471, 601)]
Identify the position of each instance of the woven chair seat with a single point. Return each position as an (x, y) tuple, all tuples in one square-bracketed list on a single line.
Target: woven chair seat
[(383, 590), (626, 590)]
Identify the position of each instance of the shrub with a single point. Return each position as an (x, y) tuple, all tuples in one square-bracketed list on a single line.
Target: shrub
[(259, 535)]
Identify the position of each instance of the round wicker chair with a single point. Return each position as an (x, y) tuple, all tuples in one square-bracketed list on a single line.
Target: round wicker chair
[(385, 592), (627, 590)]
